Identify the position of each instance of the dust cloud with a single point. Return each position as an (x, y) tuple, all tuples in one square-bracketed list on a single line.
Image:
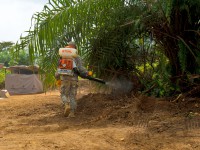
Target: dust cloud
[(120, 86)]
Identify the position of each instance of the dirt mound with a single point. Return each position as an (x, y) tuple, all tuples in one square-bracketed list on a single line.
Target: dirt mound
[(101, 109)]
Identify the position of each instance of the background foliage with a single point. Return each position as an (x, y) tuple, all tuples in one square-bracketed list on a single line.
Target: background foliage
[(7, 58), (153, 42)]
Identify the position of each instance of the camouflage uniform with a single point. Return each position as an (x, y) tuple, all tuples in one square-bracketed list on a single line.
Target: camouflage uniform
[(69, 85)]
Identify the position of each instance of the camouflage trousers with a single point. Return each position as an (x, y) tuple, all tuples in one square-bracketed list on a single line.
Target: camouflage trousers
[(68, 93)]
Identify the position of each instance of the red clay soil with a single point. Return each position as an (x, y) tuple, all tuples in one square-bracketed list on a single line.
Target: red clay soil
[(103, 122)]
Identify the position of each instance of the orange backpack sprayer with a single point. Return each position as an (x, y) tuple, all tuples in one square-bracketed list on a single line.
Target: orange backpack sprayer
[(66, 62)]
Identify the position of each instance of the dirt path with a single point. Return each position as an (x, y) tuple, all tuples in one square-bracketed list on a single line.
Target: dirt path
[(103, 122)]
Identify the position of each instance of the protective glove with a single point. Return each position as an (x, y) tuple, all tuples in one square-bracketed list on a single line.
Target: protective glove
[(90, 73), (58, 83)]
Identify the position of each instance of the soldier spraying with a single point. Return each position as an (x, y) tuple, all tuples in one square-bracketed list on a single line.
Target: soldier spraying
[(69, 68)]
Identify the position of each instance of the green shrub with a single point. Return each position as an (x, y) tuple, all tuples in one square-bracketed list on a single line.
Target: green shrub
[(2, 79)]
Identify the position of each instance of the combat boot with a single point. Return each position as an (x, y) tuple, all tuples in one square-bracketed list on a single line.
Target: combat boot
[(66, 110), (71, 115)]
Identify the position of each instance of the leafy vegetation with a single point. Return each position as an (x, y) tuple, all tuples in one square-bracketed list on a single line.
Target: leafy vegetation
[(7, 58), (157, 42)]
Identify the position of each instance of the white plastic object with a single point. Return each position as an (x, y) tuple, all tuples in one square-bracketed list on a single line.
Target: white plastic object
[(68, 52)]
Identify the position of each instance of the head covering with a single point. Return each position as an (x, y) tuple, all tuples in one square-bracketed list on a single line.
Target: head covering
[(72, 43)]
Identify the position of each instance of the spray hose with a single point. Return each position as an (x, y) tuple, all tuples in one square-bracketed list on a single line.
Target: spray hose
[(96, 79), (89, 77)]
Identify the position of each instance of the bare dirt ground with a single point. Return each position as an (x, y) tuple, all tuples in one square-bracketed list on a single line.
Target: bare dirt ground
[(103, 122)]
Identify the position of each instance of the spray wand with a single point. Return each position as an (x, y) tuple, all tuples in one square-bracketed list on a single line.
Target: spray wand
[(96, 79), (89, 77)]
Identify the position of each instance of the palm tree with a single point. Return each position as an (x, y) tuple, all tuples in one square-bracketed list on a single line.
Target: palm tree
[(85, 22)]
